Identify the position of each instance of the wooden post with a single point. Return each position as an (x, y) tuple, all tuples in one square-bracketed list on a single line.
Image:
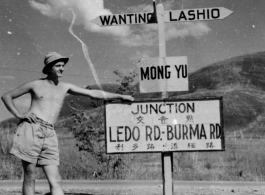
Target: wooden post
[(167, 169), (167, 158)]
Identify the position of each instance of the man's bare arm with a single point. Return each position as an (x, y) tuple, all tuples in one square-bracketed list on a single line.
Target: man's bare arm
[(74, 90), (8, 97)]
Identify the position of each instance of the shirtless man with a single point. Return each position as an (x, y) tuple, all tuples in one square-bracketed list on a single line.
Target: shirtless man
[(35, 141)]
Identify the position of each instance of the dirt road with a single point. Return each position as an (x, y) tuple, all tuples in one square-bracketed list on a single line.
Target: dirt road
[(85, 187)]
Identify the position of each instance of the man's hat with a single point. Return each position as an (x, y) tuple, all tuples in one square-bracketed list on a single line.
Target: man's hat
[(52, 58)]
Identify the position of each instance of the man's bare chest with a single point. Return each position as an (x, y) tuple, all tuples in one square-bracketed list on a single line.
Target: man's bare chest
[(48, 93)]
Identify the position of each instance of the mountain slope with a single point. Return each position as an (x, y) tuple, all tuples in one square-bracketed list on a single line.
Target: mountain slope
[(239, 80), (244, 70)]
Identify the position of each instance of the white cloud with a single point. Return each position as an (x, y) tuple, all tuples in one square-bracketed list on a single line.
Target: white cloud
[(139, 35), (85, 11), (45, 9), (147, 35), (144, 37), (184, 29)]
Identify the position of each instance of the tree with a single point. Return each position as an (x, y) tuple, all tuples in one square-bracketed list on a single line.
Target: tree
[(128, 86), (88, 129)]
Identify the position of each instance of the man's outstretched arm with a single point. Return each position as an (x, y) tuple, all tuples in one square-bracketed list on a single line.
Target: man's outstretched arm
[(74, 90)]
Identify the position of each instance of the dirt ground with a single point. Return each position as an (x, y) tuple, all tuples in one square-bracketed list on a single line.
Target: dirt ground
[(119, 189)]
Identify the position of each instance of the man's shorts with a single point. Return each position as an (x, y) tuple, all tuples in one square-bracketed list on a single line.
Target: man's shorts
[(36, 143)]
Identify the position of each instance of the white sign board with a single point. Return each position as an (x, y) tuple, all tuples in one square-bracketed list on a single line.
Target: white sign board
[(196, 14), (170, 16), (159, 126), (173, 76), (123, 19)]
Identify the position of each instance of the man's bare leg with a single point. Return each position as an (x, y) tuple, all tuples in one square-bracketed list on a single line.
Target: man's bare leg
[(29, 178), (54, 179)]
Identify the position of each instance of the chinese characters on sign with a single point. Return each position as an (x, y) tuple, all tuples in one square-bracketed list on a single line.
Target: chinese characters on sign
[(157, 126)]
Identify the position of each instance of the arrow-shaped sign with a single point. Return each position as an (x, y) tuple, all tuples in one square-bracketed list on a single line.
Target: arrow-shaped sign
[(123, 19), (170, 16), (196, 14)]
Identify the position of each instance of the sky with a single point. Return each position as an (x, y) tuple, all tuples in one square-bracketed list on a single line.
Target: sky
[(32, 28)]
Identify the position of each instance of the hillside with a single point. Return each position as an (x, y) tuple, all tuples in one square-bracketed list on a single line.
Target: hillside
[(244, 70), (238, 80)]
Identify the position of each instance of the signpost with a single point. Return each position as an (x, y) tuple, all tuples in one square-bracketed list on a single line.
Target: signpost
[(164, 126), (165, 130), (170, 77), (166, 158)]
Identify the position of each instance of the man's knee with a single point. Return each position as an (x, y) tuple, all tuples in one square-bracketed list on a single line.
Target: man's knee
[(56, 181), (53, 175), (29, 173), (30, 178), (28, 181)]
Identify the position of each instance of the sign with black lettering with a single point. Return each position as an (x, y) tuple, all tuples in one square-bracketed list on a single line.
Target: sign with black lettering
[(184, 15), (173, 76), (123, 19), (159, 126), (197, 14)]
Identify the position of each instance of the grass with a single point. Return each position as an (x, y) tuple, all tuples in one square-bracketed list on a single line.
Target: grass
[(9, 165), (74, 164), (243, 160)]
